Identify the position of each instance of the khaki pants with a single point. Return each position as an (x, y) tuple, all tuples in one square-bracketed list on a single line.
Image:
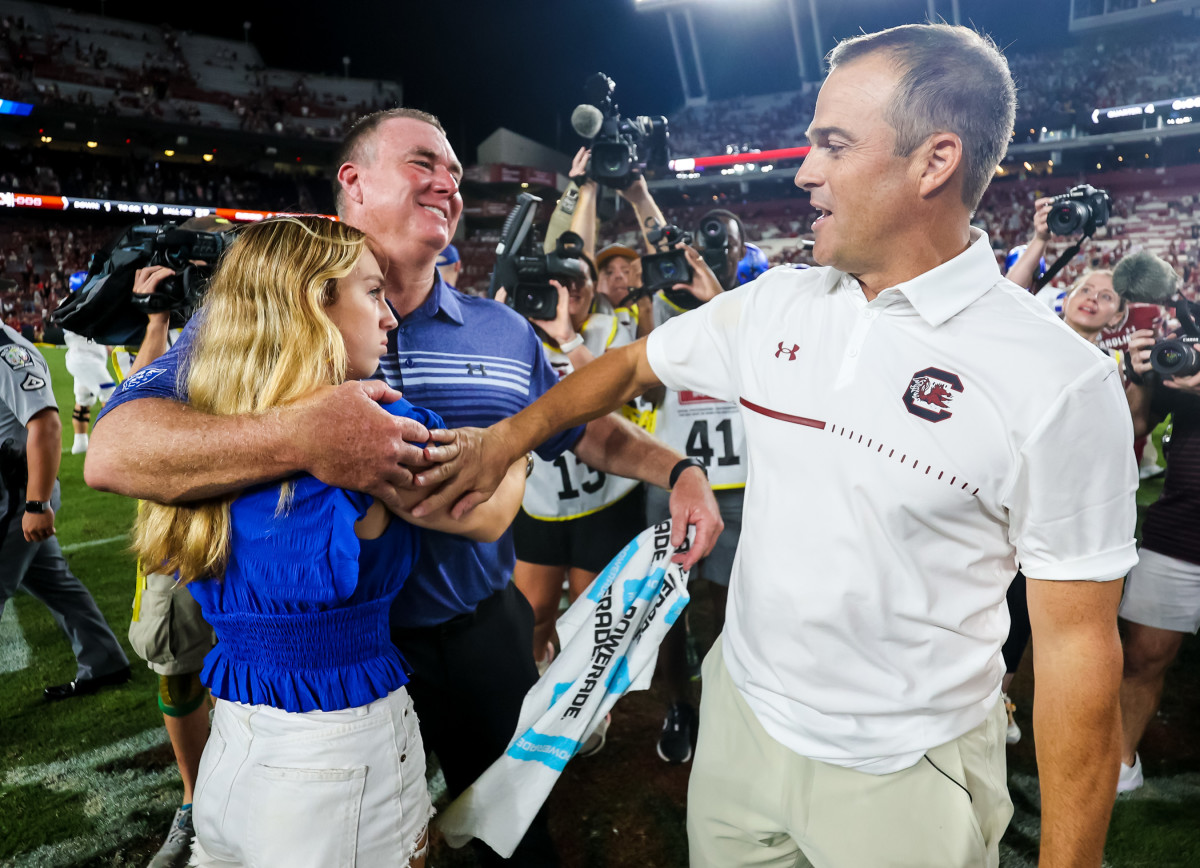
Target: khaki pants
[(754, 802)]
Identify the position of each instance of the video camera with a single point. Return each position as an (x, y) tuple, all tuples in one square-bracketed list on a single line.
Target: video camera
[(668, 267), (622, 148), (525, 271), (1080, 209), (105, 308)]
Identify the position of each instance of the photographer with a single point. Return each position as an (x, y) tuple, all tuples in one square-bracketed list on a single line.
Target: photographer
[(711, 432), (1161, 604), (619, 268)]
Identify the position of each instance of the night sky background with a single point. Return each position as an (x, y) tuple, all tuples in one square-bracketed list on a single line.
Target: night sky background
[(521, 63)]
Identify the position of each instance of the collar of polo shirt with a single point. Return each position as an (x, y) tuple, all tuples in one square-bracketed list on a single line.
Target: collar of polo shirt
[(971, 274)]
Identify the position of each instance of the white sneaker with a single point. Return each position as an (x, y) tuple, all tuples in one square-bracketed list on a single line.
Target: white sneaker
[(1130, 777), (80, 445), (595, 742), (544, 663), (1012, 734)]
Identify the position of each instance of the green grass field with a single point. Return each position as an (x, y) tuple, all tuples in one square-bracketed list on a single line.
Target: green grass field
[(92, 782)]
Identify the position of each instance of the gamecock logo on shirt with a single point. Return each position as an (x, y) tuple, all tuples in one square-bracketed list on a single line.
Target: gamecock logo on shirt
[(930, 393)]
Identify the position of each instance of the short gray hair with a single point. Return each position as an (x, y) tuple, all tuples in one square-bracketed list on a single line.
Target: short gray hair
[(952, 79)]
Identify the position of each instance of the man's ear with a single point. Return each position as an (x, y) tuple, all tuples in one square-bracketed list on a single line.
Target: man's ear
[(941, 157), (351, 181)]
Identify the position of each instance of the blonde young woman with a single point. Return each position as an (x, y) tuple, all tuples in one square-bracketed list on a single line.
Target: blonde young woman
[(1092, 305), (315, 756)]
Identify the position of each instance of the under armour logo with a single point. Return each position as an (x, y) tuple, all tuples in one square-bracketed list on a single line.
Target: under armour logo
[(791, 354), (472, 369)]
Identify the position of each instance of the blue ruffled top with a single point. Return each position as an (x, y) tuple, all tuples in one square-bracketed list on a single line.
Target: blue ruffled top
[(301, 614)]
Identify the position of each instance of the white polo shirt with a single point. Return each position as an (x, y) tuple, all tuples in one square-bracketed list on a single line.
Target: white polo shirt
[(905, 456)]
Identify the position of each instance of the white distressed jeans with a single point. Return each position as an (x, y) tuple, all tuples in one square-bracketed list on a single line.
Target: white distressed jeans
[(321, 788)]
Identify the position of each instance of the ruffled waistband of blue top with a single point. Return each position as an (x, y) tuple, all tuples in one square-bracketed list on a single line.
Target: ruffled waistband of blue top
[(312, 661)]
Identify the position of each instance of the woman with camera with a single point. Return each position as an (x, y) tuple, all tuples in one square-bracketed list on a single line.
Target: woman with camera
[(315, 756)]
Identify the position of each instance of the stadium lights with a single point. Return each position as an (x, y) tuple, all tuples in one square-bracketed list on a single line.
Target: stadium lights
[(208, 158), (168, 153), (71, 203), (46, 140), (687, 164), (93, 144)]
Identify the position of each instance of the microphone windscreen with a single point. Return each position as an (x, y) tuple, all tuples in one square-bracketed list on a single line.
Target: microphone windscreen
[(587, 120), (1144, 278)]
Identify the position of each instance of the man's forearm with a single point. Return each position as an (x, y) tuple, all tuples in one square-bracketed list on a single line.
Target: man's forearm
[(161, 450), (583, 221), (43, 450), (1076, 719), (598, 389), (615, 445)]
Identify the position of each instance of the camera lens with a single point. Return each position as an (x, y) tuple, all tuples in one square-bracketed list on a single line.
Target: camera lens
[(1067, 218), (1174, 358)]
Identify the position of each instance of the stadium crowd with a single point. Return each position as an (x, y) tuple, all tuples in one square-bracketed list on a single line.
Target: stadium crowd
[(91, 65), (1059, 89)]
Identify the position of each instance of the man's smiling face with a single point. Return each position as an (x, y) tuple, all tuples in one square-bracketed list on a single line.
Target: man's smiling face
[(405, 189)]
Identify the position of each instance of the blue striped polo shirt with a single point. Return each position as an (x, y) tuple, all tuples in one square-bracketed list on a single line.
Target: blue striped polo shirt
[(473, 362)]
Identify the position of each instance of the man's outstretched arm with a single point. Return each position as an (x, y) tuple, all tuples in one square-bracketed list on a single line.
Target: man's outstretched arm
[(609, 444), (1076, 714), (589, 393), (162, 450)]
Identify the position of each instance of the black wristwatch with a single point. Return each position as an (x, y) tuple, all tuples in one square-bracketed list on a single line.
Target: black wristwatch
[(37, 507), (684, 465)]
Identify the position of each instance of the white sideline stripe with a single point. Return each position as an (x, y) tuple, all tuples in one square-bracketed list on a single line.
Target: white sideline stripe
[(116, 801), (14, 650), (61, 771), (74, 547)]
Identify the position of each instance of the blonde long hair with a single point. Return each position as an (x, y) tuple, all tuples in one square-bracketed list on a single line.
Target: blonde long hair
[(263, 340)]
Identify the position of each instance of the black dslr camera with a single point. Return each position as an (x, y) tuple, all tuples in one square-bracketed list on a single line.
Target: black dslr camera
[(670, 266), (525, 271), (1179, 356), (1080, 209), (105, 308), (624, 147)]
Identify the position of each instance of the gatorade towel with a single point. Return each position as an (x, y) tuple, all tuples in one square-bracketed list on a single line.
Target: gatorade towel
[(610, 638)]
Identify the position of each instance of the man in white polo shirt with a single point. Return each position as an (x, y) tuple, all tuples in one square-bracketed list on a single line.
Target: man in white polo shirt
[(917, 429)]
